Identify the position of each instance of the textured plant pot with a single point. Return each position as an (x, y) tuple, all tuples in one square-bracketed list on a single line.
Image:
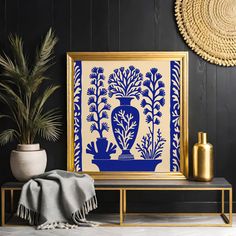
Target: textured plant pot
[(27, 161), (102, 149), (127, 110)]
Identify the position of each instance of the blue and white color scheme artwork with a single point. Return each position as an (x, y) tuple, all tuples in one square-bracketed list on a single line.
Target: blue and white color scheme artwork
[(127, 115)]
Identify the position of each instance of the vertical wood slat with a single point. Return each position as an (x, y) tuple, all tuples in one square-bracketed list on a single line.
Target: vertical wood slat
[(225, 118), (113, 25), (156, 17), (136, 25), (222, 119), (80, 25), (197, 100), (35, 18), (2, 23), (61, 25), (211, 94), (12, 23), (100, 25), (197, 95)]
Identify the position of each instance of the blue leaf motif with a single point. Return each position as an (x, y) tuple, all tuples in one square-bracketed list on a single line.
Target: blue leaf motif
[(160, 84), (143, 103), (91, 91), (145, 93), (125, 82), (149, 118), (153, 70), (91, 100), (162, 101), (145, 111)]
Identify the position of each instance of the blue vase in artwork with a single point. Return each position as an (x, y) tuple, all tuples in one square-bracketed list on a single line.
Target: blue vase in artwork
[(125, 124), (101, 144)]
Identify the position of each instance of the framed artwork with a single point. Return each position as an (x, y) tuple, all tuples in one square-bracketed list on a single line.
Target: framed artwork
[(128, 114)]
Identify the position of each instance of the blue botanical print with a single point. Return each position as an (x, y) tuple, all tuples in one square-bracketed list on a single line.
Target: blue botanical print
[(77, 116), (175, 114), (98, 107), (97, 102), (153, 94), (125, 82)]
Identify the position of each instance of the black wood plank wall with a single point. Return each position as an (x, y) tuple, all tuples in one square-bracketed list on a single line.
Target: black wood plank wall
[(128, 25)]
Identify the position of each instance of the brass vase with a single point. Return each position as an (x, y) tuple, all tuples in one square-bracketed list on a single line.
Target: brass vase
[(203, 169)]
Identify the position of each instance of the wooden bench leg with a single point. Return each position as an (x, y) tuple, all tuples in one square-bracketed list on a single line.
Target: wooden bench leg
[(3, 206), (12, 201), (230, 206), (124, 201), (121, 207), (223, 201), (227, 220)]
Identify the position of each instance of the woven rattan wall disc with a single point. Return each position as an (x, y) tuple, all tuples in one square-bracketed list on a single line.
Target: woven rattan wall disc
[(209, 28)]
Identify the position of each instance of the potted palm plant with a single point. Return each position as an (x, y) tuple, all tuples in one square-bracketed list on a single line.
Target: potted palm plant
[(21, 91)]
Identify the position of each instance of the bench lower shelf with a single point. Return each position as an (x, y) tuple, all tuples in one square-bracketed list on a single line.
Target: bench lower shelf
[(145, 219)]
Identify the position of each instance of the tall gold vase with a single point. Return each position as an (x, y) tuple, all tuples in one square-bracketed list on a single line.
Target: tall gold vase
[(203, 169)]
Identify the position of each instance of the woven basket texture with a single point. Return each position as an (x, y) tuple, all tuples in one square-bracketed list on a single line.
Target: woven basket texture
[(209, 28)]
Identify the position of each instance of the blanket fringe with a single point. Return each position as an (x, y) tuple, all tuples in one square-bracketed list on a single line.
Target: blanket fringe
[(79, 216), (27, 214)]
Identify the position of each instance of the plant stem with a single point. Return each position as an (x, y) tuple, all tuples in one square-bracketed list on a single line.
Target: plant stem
[(97, 106), (153, 103)]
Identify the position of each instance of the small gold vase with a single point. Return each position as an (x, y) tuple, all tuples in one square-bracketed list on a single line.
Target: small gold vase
[(203, 169)]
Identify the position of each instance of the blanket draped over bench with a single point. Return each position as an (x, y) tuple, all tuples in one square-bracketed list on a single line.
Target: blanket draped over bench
[(57, 199)]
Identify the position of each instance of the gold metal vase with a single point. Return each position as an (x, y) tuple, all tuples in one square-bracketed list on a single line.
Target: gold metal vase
[(203, 169)]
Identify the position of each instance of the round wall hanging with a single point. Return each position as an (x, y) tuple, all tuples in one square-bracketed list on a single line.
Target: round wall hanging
[(209, 28)]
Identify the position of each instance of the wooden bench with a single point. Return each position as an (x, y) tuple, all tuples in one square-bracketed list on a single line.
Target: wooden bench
[(123, 186)]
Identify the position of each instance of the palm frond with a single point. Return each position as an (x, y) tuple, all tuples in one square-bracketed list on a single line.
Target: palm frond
[(36, 82), (9, 68), (17, 48), (14, 113), (43, 54), (4, 116), (48, 125), (7, 136), (14, 97), (39, 103)]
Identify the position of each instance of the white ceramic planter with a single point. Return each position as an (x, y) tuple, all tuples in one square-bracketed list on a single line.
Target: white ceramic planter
[(27, 161)]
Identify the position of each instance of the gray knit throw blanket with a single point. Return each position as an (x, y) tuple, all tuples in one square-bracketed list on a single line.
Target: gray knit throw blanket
[(57, 199)]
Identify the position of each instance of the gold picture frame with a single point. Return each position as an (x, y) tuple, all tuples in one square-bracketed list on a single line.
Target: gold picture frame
[(182, 58)]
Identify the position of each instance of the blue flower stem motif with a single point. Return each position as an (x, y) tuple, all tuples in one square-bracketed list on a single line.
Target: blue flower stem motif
[(98, 102), (98, 108), (153, 100)]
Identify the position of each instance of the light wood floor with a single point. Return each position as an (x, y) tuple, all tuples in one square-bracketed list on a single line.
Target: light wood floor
[(131, 231)]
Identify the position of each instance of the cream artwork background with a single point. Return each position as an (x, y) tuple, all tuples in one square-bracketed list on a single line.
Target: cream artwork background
[(109, 66)]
